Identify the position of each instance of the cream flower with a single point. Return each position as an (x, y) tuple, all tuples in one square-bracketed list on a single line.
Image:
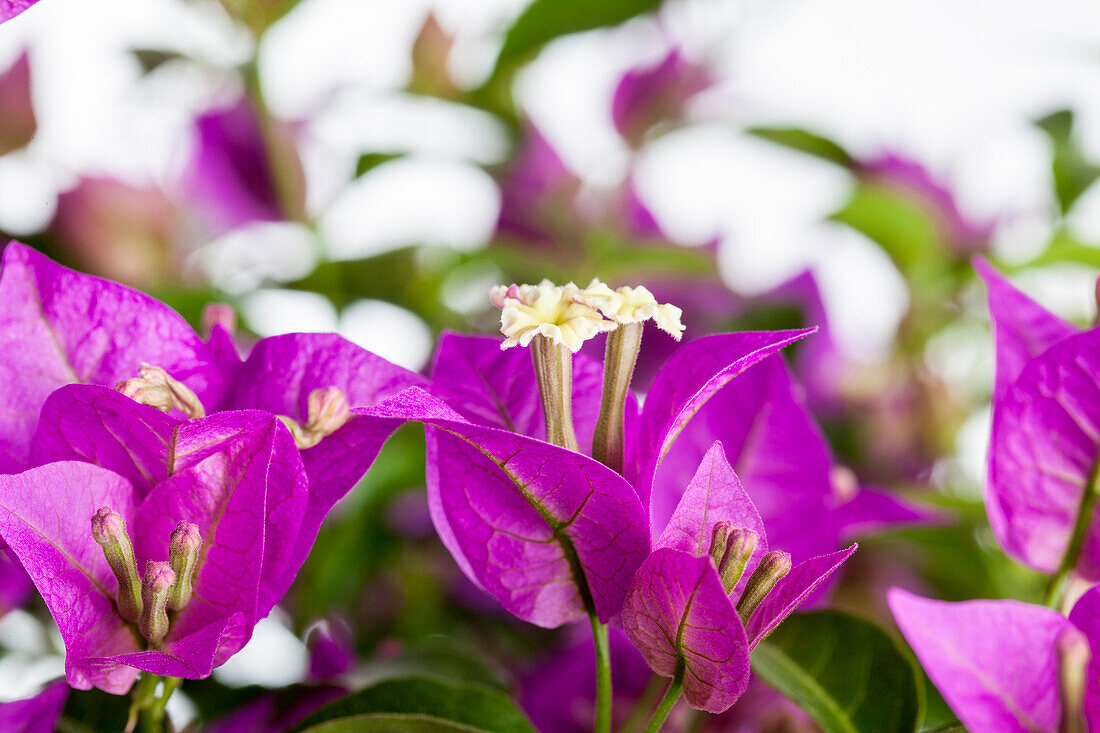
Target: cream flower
[(549, 310), (632, 305)]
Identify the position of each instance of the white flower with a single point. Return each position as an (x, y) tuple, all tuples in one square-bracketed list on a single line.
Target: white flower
[(549, 310), (632, 305)]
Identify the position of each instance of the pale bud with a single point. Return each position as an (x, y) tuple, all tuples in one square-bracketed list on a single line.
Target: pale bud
[(773, 567), (156, 586), (219, 314), (731, 549), (328, 411), (1073, 658), (109, 532), (157, 388), (183, 557)]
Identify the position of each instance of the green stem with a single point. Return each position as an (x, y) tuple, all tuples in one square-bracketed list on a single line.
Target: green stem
[(672, 694), (146, 707), (620, 356), (142, 697), (554, 369), (153, 718), (1086, 510), (603, 676)]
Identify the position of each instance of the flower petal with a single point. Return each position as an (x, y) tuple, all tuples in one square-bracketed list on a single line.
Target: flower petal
[(1022, 329), (1044, 451), (995, 662), (58, 327), (248, 500), (548, 532), (777, 450), (45, 519), (38, 714), (678, 613)]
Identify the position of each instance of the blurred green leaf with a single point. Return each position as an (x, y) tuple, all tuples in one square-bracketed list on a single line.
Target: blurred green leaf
[(438, 656), (369, 161), (420, 704), (897, 224), (541, 22), (95, 710), (1073, 174), (545, 20), (1065, 248), (151, 58), (391, 723), (849, 675), (804, 141)]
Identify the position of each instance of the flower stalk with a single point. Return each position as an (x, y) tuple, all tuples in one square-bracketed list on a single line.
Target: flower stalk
[(1055, 590), (603, 676), (146, 706), (554, 369), (623, 345), (672, 694)]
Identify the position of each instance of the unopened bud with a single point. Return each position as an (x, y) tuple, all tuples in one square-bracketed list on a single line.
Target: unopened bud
[(183, 557), (109, 532), (157, 388), (731, 549), (773, 567), (1073, 659), (328, 411), (219, 314), (156, 586)]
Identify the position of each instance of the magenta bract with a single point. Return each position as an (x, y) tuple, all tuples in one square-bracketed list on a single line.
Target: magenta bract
[(38, 714), (551, 534), (674, 592), (677, 612), (645, 97), (231, 177), (237, 476), (996, 662), (11, 8), (1045, 443), (724, 387), (60, 327)]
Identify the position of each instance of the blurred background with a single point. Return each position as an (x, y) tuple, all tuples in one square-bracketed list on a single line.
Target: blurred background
[(372, 168)]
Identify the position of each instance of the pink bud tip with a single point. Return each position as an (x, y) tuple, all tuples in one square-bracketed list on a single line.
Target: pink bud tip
[(107, 525)]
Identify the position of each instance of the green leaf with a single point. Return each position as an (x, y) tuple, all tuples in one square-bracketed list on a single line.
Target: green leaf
[(420, 704), (804, 141), (369, 161), (1065, 248), (899, 225), (391, 723), (1073, 173), (545, 20), (849, 675)]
